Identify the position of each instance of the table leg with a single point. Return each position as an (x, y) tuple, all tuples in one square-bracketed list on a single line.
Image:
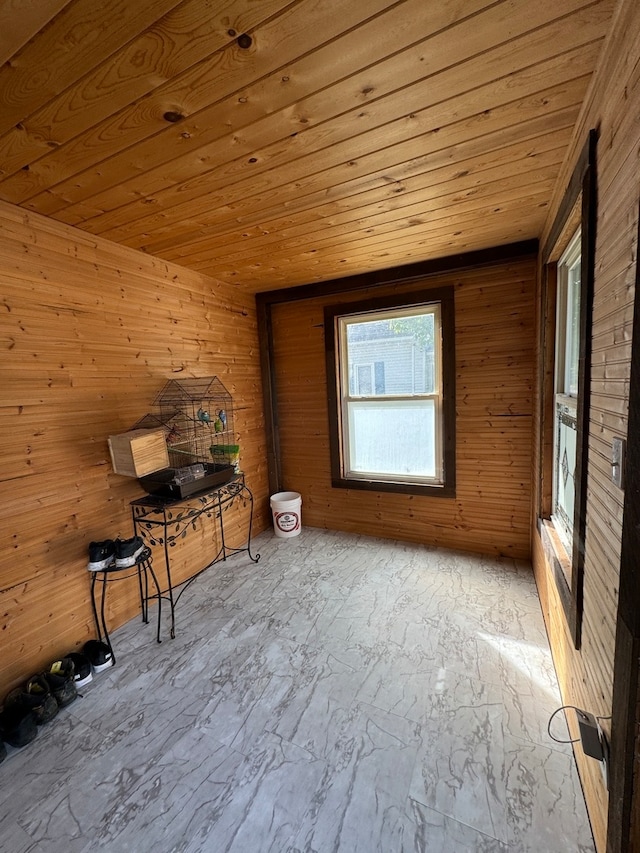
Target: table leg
[(103, 619)]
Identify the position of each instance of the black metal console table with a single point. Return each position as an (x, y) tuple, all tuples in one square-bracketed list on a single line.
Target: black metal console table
[(163, 521)]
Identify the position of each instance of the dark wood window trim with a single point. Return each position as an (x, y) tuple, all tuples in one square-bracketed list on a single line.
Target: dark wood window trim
[(578, 208), (444, 296)]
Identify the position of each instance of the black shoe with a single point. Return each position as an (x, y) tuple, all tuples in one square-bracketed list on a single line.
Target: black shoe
[(81, 669), (18, 725), (127, 551), (39, 692), (61, 683), (40, 702), (101, 555), (3, 751), (99, 654)]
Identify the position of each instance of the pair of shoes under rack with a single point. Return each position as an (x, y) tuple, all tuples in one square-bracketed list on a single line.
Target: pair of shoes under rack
[(118, 553)]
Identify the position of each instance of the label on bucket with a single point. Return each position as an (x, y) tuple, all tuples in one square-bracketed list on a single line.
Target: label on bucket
[(287, 521)]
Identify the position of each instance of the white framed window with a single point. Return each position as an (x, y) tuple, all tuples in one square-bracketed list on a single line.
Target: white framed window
[(567, 351), (391, 399)]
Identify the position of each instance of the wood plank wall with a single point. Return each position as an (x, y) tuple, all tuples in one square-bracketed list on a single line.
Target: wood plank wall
[(613, 105), (494, 376), (90, 332)]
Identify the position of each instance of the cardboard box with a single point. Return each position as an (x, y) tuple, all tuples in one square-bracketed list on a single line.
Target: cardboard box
[(139, 452)]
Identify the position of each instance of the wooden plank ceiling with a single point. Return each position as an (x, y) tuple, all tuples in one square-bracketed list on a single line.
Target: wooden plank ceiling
[(272, 143)]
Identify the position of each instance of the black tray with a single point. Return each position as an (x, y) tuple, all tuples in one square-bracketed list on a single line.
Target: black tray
[(161, 482)]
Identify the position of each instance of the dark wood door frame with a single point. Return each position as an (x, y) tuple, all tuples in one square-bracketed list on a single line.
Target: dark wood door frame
[(623, 829)]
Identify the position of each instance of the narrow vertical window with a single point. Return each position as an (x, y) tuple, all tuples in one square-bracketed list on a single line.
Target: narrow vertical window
[(566, 390)]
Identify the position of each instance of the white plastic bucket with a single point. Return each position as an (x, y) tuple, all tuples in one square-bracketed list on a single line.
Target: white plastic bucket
[(285, 507)]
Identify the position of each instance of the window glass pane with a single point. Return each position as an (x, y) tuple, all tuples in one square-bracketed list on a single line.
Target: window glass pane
[(393, 438), (573, 328), (565, 467), (566, 354), (398, 354)]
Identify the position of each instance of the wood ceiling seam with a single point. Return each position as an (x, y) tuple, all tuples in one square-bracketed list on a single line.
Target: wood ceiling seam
[(53, 211), (251, 250), (22, 20), (377, 183), (479, 268), (305, 268), (263, 277)]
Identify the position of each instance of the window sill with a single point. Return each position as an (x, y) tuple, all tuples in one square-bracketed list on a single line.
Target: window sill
[(560, 564), (554, 548), (433, 491)]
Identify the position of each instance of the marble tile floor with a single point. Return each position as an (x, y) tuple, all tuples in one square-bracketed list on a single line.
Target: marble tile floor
[(344, 694)]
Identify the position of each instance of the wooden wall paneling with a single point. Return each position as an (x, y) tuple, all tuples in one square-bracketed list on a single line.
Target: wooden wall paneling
[(90, 332), (391, 276), (625, 782), (499, 477), (587, 677)]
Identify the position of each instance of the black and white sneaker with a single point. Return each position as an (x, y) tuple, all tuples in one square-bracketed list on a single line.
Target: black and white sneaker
[(99, 655), (81, 669), (101, 555), (128, 551)]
